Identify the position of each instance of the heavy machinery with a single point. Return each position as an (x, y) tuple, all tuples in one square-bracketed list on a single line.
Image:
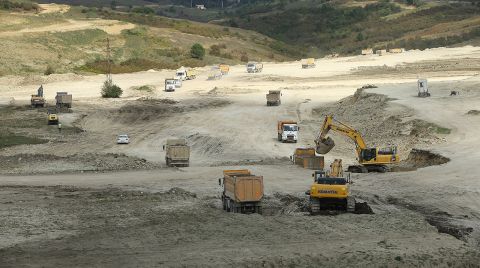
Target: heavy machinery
[(52, 117), (422, 86), (330, 190), (185, 74), (170, 85), (273, 97), (308, 63), (224, 68), (242, 191), (63, 100), (370, 159), (254, 67), (38, 100), (287, 131), (177, 153)]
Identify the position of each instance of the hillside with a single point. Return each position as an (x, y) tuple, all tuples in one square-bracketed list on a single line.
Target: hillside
[(60, 38), (323, 27)]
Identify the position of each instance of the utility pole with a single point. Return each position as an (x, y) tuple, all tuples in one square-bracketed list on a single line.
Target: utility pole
[(109, 63)]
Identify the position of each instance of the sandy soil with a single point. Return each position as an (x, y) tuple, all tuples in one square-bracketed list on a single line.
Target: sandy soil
[(109, 26), (427, 216)]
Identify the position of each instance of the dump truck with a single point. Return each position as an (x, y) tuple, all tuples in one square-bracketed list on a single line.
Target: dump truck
[(422, 86), (177, 153), (307, 158), (185, 74), (367, 51), (381, 52), (63, 100), (308, 63), (396, 50), (214, 74), (242, 191), (287, 131), (170, 85), (224, 68), (254, 67), (38, 100), (330, 190), (273, 97), (52, 117)]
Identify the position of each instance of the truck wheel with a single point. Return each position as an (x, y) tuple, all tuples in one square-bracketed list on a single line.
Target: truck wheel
[(167, 161), (279, 137)]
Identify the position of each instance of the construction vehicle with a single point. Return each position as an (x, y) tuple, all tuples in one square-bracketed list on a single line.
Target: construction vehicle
[(38, 100), (242, 191), (52, 117), (273, 97), (330, 190), (308, 63), (177, 153), (254, 67), (287, 131), (185, 74), (370, 159), (170, 85), (63, 100), (306, 158), (224, 68), (423, 88), (214, 74), (367, 51)]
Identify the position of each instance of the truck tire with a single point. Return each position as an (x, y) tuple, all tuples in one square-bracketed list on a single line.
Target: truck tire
[(167, 161), (279, 137)]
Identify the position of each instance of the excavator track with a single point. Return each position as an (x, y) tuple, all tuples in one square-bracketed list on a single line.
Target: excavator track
[(351, 204), (314, 206)]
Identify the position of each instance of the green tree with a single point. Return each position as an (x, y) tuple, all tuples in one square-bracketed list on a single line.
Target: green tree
[(360, 37), (110, 90), (197, 51)]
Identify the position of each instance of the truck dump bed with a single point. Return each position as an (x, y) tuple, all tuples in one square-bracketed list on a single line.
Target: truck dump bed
[(241, 186)]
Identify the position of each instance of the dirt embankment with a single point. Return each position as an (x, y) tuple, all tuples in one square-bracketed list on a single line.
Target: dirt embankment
[(381, 122)]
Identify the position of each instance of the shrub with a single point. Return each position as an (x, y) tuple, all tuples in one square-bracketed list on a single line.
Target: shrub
[(197, 51), (49, 70), (244, 57), (110, 90), (215, 50)]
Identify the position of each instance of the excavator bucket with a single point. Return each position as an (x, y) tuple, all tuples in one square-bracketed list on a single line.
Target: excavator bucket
[(324, 146)]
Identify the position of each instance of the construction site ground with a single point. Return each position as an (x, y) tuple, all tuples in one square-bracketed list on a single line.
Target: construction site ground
[(77, 199)]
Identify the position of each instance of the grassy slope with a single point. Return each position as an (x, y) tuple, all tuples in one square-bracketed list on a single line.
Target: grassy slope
[(155, 42)]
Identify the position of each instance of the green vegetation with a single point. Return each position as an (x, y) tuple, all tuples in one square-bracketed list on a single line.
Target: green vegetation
[(110, 90), (146, 88), (19, 5), (197, 51), (8, 139)]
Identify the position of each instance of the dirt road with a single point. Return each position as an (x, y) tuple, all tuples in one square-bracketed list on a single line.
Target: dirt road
[(172, 217)]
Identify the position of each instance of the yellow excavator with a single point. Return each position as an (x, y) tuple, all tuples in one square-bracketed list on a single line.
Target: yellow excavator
[(370, 159), (331, 190)]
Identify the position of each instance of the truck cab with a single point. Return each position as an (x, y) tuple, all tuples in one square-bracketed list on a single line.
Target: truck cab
[(181, 74), (254, 67), (170, 85), (288, 131)]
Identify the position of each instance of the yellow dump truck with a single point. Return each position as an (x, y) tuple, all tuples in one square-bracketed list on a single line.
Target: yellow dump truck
[(306, 158), (242, 191), (177, 153), (308, 63), (224, 68)]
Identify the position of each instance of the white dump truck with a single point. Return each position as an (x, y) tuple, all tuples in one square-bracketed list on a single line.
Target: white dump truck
[(423, 88), (287, 131), (185, 74), (170, 85), (254, 67)]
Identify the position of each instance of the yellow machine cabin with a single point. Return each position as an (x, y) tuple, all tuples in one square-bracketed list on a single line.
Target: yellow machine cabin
[(52, 117), (370, 159), (330, 190)]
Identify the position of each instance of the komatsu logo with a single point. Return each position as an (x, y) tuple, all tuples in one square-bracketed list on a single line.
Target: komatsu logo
[(327, 191)]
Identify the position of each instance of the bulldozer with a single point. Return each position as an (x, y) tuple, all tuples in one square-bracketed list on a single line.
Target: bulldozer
[(330, 190), (370, 159), (52, 117)]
